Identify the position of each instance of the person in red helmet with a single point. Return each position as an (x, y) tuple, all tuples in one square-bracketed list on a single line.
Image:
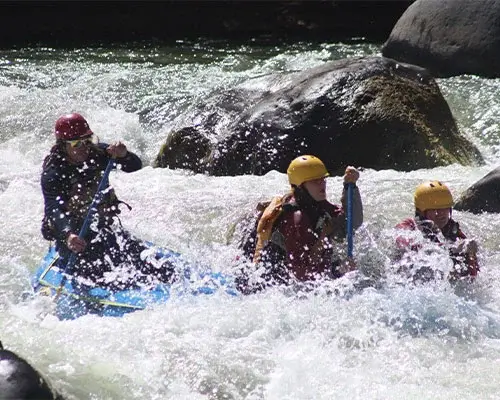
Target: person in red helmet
[(433, 219), (71, 174), (296, 237)]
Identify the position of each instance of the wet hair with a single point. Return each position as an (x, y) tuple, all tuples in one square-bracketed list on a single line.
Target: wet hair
[(307, 203), (303, 198)]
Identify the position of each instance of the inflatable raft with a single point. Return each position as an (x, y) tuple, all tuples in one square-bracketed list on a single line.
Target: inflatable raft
[(74, 300)]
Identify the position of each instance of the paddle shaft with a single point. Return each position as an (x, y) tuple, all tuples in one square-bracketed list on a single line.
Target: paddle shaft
[(350, 245), (90, 213)]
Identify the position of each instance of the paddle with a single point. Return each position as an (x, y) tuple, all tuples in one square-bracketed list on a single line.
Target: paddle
[(86, 223), (350, 188)]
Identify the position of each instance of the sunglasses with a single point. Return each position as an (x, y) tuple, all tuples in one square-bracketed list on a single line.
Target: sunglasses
[(77, 143)]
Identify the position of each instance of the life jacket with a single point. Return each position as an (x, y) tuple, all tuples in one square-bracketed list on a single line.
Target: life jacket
[(262, 231), (265, 225), (264, 244), (465, 265), (82, 194), (260, 243), (265, 229)]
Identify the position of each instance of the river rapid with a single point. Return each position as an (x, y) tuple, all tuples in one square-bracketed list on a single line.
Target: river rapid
[(385, 342)]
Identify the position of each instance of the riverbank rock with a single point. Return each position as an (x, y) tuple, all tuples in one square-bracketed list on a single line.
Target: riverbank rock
[(449, 37), (371, 112), (482, 196)]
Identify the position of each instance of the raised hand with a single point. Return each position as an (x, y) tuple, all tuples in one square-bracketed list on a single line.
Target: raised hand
[(117, 150), (351, 175)]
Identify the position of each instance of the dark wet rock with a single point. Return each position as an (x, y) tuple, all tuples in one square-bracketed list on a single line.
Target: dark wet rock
[(449, 37), (482, 196), (185, 149), (371, 112), (20, 381)]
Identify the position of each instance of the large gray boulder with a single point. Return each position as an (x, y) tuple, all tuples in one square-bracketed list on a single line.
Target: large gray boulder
[(482, 196), (449, 37), (372, 112)]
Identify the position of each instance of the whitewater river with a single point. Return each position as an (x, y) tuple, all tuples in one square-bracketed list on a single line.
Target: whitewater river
[(389, 342)]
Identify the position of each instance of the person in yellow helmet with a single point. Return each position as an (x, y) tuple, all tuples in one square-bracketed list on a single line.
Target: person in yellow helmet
[(433, 218), (295, 236)]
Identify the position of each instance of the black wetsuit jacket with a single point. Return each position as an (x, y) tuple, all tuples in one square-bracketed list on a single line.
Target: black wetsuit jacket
[(69, 189)]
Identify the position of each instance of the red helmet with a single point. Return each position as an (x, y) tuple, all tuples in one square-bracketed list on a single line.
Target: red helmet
[(71, 127)]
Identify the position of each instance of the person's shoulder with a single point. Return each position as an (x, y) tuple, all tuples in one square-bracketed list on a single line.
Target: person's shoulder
[(331, 208), (99, 153), (52, 164), (407, 223), (53, 174), (287, 202), (289, 209)]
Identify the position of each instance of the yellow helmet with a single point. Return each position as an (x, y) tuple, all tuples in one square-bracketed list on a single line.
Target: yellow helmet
[(305, 168), (432, 195)]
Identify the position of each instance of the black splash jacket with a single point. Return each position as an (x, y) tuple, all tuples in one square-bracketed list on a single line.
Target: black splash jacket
[(68, 190)]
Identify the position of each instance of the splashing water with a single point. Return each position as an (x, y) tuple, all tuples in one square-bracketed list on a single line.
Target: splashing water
[(339, 341)]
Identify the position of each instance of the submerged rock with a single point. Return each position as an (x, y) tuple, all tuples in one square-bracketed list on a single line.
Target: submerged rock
[(20, 381)]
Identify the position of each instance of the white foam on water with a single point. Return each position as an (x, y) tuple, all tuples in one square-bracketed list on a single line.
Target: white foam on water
[(397, 342)]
